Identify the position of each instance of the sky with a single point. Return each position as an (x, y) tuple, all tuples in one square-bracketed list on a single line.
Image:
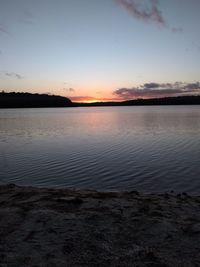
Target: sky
[(100, 50)]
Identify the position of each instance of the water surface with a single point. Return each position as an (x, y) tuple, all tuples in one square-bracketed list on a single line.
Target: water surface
[(152, 149)]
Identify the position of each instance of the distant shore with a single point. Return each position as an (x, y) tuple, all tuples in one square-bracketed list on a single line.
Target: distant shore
[(65, 227), (28, 100)]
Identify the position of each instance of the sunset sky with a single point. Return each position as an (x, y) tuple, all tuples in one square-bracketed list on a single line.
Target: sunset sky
[(102, 50)]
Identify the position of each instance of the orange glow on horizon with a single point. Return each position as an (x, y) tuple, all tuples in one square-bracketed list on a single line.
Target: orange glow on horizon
[(94, 100)]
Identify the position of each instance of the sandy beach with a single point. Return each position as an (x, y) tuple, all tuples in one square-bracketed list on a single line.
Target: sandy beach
[(64, 227)]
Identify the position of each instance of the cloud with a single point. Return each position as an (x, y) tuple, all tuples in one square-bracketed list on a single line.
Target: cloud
[(195, 45), (148, 12), (72, 90), (27, 17), (13, 74), (151, 85), (192, 86), (3, 29), (154, 90), (177, 29)]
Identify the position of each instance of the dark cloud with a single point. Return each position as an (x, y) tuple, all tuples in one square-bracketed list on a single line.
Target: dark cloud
[(151, 85), (151, 90), (192, 86), (146, 12), (13, 74)]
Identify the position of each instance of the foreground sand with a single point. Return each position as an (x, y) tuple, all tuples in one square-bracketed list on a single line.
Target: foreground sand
[(53, 227)]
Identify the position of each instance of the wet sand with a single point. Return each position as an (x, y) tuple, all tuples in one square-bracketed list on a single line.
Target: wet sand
[(64, 227)]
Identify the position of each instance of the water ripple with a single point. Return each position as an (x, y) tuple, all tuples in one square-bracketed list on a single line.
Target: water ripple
[(148, 149)]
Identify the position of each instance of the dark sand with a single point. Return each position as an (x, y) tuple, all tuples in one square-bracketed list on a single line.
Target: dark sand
[(61, 227)]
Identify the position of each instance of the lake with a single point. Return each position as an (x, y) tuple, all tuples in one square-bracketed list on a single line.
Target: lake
[(146, 148)]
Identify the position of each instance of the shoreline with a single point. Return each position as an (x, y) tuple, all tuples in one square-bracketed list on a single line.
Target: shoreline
[(68, 227)]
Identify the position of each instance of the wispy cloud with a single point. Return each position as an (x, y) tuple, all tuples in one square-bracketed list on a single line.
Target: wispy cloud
[(147, 11), (3, 29), (72, 90), (150, 12), (149, 90), (195, 46), (177, 29), (27, 17), (13, 74)]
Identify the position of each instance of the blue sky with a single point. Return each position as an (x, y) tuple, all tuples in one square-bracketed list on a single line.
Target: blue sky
[(91, 49)]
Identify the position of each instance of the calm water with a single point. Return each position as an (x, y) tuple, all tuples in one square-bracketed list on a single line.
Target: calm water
[(105, 148)]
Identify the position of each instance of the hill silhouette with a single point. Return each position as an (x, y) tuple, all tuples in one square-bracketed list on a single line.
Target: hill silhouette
[(179, 100), (25, 100)]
